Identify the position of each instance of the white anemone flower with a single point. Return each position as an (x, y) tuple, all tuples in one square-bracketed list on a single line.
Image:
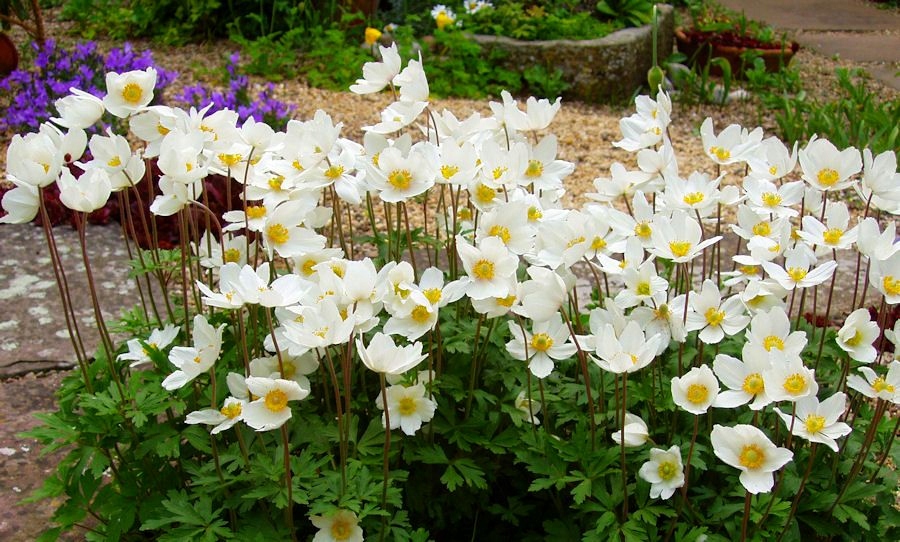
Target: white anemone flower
[(826, 168), (664, 471), (408, 407), (790, 380), (696, 390), (339, 526), (748, 449), (78, 110), (796, 272), (628, 352), (679, 239), (529, 408), (228, 416), (270, 410), (634, 433), (538, 114), (377, 75), (383, 356), (834, 234), (733, 144), (192, 361), (885, 277), (489, 267), (21, 204), (770, 332), (766, 198), (158, 340), (129, 92), (857, 336), (547, 341), (712, 316), (772, 161), (818, 422), (743, 378), (87, 193), (885, 387), (880, 183)]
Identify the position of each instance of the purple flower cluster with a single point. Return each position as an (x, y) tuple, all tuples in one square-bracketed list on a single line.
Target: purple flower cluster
[(263, 107), (31, 92)]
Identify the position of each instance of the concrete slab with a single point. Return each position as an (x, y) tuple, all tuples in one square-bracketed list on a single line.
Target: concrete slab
[(821, 15), (33, 333)]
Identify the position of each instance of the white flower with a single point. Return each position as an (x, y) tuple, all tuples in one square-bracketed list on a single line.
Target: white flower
[(826, 168), (340, 526), (231, 413), (271, 409), (885, 387), (548, 341), (818, 422), (627, 353), (715, 318), (78, 110), (383, 356), (21, 203), (129, 92), (790, 380), (634, 432), (195, 360), (733, 144), (679, 238), (377, 75), (885, 277), (747, 448), (696, 390), (744, 379), (408, 408), (664, 471), (529, 408), (489, 267), (159, 339), (857, 336)]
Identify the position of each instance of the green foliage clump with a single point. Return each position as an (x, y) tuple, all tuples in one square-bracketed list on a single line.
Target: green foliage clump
[(529, 22)]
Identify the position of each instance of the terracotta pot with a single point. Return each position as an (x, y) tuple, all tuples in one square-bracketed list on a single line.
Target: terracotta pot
[(9, 56), (700, 52)]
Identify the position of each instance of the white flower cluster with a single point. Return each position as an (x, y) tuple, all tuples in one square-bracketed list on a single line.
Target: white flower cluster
[(499, 183)]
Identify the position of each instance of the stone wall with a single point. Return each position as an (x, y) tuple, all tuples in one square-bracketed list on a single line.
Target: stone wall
[(600, 70)]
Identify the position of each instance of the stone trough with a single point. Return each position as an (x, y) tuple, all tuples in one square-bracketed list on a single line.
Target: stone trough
[(598, 70)]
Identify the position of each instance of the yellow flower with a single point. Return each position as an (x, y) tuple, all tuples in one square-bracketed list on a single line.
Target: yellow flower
[(372, 36)]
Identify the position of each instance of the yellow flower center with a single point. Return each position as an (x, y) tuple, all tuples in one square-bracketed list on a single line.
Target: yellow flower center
[(447, 171), (231, 255), (667, 470), (464, 214), (693, 198), (337, 270), (720, 153), (797, 273), (115, 161), (500, 231), (499, 171), (752, 456), (296, 165), (484, 193), (506, 301), (891, 285), (773, 341), (880, 385), (771, 199), (132, 93), (833, 236), (754, 384), (307, 267), (231, 410), (795, 384), (276, 400), (420, 314), (256, 211), (289, 370), (230, 160), (643, 230), (535, 168), (278, 234), (375, 158), (334, 172), (433, 295), (407, 406), (342, 529), (598, 243), (534, 214), (442, 20), (749, 269), (541, 342), (680, 249), (815, 423), (662, 312), (855, 339), (763, 229), (321, 332), (827, 177), (162, 129), (642, 288), (697, 394), (714, 316), (773, 170), (483, 270), (401, 179), (276, 182)]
